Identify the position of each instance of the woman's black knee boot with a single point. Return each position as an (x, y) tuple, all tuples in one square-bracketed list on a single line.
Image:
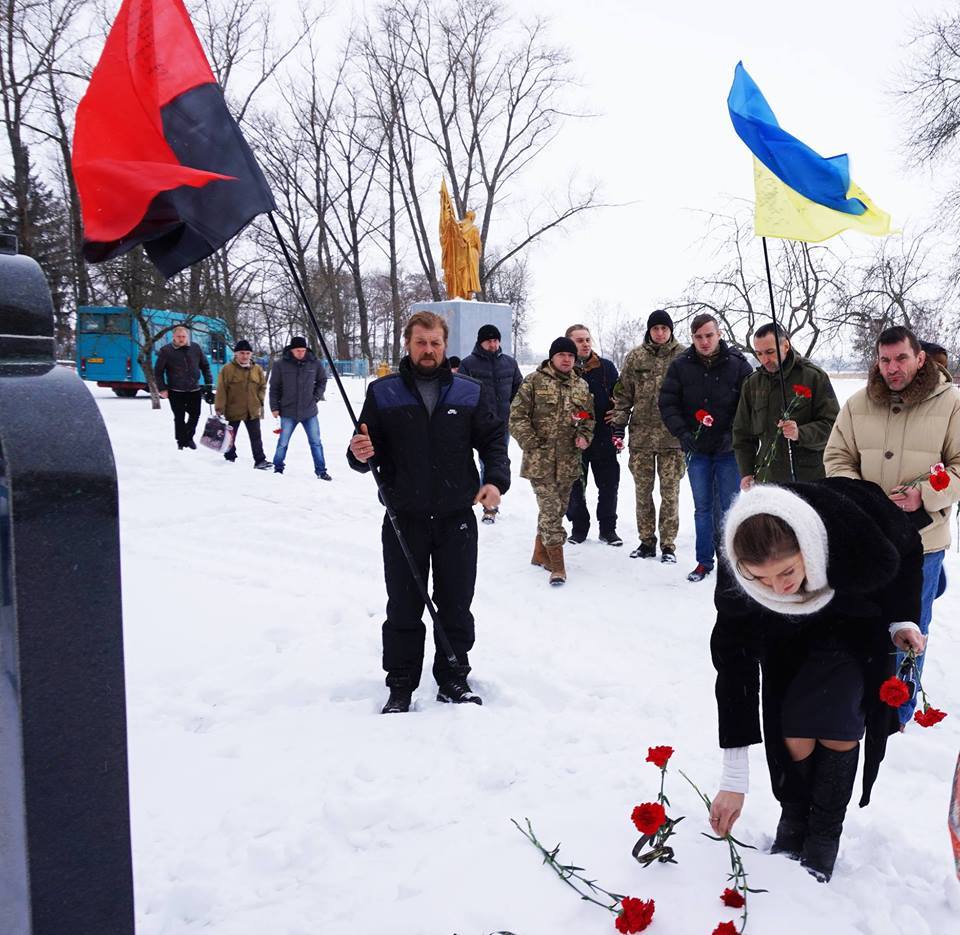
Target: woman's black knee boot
[(830, 789), (795, 810)]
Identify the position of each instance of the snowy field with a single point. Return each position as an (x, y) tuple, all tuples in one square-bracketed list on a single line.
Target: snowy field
[(270, 798)]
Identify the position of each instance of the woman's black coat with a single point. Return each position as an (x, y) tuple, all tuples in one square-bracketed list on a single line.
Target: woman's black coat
[(875, 566)]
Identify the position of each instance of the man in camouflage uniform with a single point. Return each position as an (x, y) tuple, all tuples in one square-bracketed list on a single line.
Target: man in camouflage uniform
[(653, 450), (552, 420), (758, 423)]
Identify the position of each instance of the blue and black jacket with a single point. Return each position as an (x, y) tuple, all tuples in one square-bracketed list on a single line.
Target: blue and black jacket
[(426, 462)]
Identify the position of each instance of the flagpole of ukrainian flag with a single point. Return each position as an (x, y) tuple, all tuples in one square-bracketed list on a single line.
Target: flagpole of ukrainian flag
[(800, 195)]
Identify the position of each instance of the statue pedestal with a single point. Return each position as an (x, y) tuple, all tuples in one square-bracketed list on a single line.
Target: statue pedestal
[(464, 320)]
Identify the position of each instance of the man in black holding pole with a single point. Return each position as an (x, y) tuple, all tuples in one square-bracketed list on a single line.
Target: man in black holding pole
[(420, 427)]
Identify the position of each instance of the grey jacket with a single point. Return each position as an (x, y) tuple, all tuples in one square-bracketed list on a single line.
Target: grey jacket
[(296, 385)]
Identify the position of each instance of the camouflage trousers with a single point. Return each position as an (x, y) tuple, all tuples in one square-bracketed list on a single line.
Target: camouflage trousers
[(552, 499), (670, 466)]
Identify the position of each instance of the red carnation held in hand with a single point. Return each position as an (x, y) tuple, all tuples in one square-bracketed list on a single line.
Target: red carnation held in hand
[(701, 414), (800, 390), (929, 716), (725, 928), (635, 915), (732, 898), (659, 755), (939, 480), (648, 817), (894, 692), (580, 416)]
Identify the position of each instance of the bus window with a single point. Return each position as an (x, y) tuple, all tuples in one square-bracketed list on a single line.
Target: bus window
[(217, 348), (104, 324)]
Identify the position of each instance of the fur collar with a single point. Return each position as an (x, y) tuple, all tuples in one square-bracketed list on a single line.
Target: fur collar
[(924, 383)]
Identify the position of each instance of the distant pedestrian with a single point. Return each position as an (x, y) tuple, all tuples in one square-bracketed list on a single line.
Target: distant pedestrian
[(552, 420), (654, 452), (600, 456), (177, 372), (297, 382), (454, 363), (241, 388), (760, 435)]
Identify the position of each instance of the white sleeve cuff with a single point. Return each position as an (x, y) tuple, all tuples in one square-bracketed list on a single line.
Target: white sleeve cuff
[(895, 628), (735, 776)]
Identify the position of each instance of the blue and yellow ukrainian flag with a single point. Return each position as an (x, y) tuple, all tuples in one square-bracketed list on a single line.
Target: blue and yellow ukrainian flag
[(800, 195)]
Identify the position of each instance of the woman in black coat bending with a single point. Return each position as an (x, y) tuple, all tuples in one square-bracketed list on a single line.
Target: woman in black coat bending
[(820, 582)]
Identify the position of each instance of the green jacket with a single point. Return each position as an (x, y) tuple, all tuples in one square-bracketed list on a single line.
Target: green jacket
[(542, 420), (761, 407), (637, 391), (240, 392)]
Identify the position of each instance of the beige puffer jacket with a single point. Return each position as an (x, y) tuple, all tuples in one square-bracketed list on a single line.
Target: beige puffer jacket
[(892, 439)]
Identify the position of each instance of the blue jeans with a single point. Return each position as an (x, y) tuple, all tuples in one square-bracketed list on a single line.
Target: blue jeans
[(932, 567), (714, 480), (312, 427)]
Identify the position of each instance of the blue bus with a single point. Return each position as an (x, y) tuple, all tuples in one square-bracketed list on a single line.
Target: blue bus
[(108, 342)]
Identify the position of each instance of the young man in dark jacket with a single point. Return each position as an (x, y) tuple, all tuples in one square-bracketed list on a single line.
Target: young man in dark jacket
[(499, 374), (297, 382), (177, 371), (422, 425), (601, 376), (698, 402)]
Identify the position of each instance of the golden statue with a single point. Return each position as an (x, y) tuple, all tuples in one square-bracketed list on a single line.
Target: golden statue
[(460, 249)]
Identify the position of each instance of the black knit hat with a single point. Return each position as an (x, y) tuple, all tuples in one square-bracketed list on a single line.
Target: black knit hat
[(563, 346), (659, 317), (298, 342), (488, 332), (242, 345)]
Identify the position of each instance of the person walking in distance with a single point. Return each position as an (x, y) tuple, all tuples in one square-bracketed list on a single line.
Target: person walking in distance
[(241, 388), (177, 371)]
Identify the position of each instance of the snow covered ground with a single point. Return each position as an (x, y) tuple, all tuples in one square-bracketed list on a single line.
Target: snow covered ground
[(269, 796)]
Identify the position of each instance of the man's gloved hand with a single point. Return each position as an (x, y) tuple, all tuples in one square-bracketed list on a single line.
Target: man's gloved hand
[(688, 443), (208, 394)]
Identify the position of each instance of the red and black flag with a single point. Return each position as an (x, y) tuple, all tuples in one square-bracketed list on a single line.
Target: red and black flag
[(157, 158)]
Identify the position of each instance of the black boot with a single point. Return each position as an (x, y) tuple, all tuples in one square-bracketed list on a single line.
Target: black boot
[(458, 691), (830, 789), (795, 810), (398, 702)]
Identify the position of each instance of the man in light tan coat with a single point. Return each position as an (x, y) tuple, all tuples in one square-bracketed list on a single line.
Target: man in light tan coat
[(892, 432)]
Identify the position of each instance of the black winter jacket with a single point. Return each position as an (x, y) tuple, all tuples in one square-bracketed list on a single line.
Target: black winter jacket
[(601, 376), (178, 368), (426, 462), (875, 566), (296, 385), (691, 385), (499, 373)]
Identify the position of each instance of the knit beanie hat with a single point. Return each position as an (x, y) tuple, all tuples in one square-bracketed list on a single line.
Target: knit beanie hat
[(659, 317), (563, 346), (298, 342), (242, 345), (487, 333)]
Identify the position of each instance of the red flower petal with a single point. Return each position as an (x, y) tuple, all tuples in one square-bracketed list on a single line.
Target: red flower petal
[(725, 928), (635, 914), (659, 755), (648, 817), (800, 390), (700, 415), (940, 480), (894, 692), (929, 716), (732, 898)]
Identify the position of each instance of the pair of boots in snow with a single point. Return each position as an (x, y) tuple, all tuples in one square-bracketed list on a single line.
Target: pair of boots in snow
[(814, 803), (551, 558)]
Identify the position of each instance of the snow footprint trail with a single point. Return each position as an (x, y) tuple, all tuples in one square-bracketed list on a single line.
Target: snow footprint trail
[(268, 795)]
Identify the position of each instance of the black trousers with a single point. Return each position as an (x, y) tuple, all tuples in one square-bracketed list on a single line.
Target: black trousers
[(186, 414), (253, 432), (606, 475), (448, 544)]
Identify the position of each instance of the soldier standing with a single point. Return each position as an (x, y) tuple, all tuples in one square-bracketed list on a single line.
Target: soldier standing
[(552, 419), (653, 450)]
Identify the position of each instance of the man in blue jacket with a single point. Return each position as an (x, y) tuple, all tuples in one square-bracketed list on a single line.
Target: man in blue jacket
[(422, 424), (499, 374), (601, 376)]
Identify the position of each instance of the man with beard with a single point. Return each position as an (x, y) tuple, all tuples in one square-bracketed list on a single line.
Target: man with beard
[(892, 432), (421, 425)]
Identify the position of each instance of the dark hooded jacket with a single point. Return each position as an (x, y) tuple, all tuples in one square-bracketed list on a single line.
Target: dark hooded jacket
[(875, 566), (601, 376), (499, 373), (693, 383), (426, 461), (296, 385)]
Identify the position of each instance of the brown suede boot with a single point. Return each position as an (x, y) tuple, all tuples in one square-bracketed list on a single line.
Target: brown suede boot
[(540, 554), (558, 574)]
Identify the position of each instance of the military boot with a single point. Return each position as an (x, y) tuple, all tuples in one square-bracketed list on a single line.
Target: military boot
[(558, 573), (540, 556)]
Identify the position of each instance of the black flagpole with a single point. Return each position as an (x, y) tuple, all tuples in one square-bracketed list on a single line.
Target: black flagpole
[(776, 341), (439, 634)]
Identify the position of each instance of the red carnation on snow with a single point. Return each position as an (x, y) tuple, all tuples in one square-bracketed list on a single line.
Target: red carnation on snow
[(659, 755), (648, 817), (800, 390), (929, 716), (725, 928), (894, 692), (732, 898), (635, 914)]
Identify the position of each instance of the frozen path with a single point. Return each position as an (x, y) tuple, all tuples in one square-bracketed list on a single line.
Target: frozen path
[(270, 798)]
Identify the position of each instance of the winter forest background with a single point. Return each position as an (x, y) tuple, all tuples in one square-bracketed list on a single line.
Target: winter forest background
[(355, 119)]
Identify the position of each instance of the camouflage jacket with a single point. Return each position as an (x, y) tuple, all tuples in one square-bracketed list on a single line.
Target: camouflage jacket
[(543, 421), (637, 391)]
